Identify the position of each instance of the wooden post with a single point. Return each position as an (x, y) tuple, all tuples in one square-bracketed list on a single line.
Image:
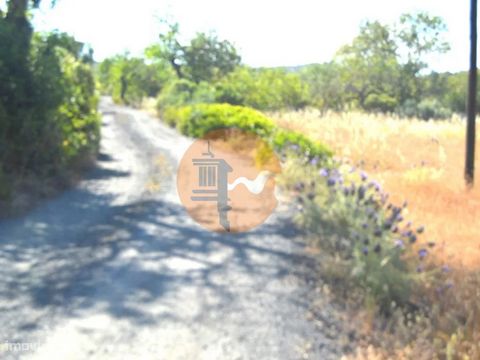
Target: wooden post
[(472, 97)]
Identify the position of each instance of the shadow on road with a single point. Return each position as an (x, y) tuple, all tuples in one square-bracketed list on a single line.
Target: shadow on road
[(94, 257)]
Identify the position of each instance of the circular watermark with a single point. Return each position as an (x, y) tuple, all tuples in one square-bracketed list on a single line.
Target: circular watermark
[(226, 180)]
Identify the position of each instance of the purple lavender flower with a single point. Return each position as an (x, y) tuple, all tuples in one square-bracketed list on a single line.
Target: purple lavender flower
[(323, 172), (422, 253), (377, 248), (363, 176), (375, 185), (314, 161), (365, 250), (377, 232), (331, 181), (413, 238), (299, 186), (399, 243), (361, 192), (445, 268), (365, 225)]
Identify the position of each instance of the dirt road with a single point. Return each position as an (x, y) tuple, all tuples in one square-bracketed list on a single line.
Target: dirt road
[(115, 269)]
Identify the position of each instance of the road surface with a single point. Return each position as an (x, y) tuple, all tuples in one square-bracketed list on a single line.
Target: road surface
[(115, 269)]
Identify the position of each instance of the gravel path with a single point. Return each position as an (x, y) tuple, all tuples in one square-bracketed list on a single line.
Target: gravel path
[(115, 269)]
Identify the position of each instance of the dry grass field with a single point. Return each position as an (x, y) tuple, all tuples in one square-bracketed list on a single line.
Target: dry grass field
[(415, 160)]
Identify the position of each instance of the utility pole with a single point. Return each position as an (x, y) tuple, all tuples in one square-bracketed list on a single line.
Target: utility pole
[(472, 97)]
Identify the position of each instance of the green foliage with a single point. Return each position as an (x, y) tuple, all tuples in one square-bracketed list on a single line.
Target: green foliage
[(364, 240), (380, 102), (48, 108), (205, 58), (129, 79), (432, 109), (183, 92), (325, 87), (196, 120), (264, 89), (369, 67), (208, 59), (288, 139)]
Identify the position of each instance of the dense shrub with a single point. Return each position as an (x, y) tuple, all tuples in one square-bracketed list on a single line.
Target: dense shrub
[(183, 92), (264, 89), (51, 124), (130, 79), (365, 239), (432, 109), (282, 139), (197, 120), (429, 108)]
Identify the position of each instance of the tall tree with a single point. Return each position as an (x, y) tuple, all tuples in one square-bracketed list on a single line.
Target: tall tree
[(418, 35), (369, 67), (205, 58)]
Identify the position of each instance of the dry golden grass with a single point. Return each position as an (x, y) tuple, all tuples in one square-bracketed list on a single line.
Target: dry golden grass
[(418, 161)]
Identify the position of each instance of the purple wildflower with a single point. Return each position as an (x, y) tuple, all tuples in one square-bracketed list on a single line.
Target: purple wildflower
[(365, 250), (375, 185), (331, 182), (399, 243), (323, 172), (422, 253), (299, 186), (363, 176)]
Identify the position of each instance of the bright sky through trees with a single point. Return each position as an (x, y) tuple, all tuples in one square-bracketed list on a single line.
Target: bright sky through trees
[(267, 33)]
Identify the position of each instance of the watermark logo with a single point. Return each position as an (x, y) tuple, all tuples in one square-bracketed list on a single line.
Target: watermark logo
[(226, 180)]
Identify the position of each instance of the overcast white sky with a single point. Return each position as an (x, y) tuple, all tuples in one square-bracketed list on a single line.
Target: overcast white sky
[(267, 33)]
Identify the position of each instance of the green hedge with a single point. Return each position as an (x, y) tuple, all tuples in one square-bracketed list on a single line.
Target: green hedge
[(196, 120)]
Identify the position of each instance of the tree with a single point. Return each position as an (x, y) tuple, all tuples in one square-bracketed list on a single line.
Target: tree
[(205, 58), (325, 87), (418, 35), (168, 48), (370, 69)]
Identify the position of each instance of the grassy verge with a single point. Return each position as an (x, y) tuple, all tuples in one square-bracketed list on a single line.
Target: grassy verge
[(434, 306)]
